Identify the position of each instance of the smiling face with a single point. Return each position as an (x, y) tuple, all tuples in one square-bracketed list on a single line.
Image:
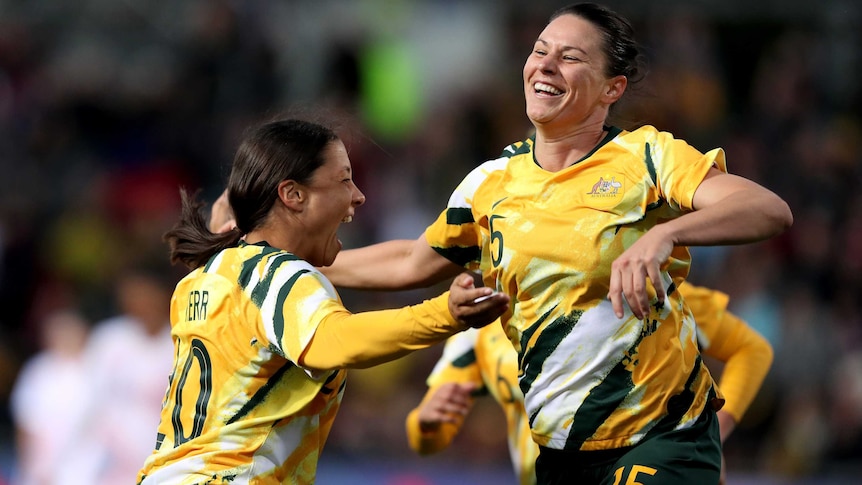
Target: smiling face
[(332, 198), (565, 84)]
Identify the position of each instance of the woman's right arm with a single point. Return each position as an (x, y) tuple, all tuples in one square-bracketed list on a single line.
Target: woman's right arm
[(361, 340), (401, 264)]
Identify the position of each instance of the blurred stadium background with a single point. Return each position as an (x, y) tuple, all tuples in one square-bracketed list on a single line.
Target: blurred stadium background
[(106, 106)]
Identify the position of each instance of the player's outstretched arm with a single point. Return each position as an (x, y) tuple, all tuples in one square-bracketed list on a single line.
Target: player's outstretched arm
[(347, 340), (392, 265)]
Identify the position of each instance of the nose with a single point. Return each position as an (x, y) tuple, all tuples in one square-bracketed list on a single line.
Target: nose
[(546, 65), (358, 196)]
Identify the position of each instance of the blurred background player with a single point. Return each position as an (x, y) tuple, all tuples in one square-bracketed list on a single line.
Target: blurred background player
[(482, 361), (128, 361), (47, 403)]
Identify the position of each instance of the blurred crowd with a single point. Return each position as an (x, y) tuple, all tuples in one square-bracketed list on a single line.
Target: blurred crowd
[(107, 107)]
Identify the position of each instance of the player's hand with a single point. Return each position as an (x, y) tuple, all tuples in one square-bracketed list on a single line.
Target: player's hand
[(449, 404), (629, 273), (468, 304)]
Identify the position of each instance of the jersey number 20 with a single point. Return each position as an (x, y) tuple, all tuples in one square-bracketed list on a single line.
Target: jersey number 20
[(197, 353)]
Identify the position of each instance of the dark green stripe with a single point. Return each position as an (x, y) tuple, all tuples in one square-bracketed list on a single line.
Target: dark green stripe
[(612, 133), (261, 393), (209, 263), (258, 294), (278, 316), (602, 401), (526, 335), (606, 397), (649, 164), (332, 376), (467, 358), (460, 255), (249, 265), (655, 205), (678, 404), (458, 215), (545, 345), (521, 149)]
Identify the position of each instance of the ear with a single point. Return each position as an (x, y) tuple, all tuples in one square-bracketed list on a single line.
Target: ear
[(292, 195), (615, 88)]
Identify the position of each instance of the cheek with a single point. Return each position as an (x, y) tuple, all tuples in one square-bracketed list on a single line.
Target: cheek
[(528, 68)]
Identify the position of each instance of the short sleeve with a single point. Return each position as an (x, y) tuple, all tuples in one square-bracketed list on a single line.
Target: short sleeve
[(294, 307), (680, 168)]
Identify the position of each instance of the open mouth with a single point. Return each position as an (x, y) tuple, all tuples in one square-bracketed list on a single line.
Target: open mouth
[(542, 88)]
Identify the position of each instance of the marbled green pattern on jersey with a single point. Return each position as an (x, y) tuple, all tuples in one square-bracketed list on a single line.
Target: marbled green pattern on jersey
[(591, 380), (254, 416)]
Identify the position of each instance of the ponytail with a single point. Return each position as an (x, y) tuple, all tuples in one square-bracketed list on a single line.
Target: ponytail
[(191, 241)]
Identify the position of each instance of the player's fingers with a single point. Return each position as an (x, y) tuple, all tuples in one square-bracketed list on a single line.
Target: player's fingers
[(615, 292), (657, 283), (638, 297), (465, 280), (628, 291)]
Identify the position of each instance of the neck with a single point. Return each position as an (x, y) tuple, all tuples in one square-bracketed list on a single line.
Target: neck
[(555, 152)]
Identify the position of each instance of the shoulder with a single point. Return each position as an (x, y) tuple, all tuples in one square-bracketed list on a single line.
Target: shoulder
[(298, 277), (637, 139), (514, 151)]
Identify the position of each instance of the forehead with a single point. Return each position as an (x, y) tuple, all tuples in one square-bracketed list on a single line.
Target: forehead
[(572, 31), (335, 159)]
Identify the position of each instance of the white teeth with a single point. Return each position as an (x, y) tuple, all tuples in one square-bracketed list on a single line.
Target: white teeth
[(546, 88), (347, 219)]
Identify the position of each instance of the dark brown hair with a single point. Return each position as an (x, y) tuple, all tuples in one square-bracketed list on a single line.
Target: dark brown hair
[(280, 150), (620, 48)]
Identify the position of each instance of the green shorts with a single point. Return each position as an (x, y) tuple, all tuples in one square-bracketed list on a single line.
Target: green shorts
[(682, 457)]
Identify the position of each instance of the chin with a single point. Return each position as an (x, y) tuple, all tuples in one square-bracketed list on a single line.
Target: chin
[(329, 257)]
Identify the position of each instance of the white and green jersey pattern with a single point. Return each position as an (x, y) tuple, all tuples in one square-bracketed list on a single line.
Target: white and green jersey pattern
[(591, 381), (238, 409)]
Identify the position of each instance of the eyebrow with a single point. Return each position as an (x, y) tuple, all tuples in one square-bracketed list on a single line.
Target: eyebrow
[(565, 47)]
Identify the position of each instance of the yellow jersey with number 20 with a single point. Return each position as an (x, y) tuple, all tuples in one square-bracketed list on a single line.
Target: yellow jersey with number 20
[(238, 409)]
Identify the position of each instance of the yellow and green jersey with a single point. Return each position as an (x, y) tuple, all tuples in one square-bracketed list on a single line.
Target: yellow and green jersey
[(591, 381), (483, 357), (722, 335), (238, 409)]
